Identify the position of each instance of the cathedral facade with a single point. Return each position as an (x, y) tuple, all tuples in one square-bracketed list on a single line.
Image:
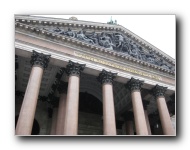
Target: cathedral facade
[(77, 77)]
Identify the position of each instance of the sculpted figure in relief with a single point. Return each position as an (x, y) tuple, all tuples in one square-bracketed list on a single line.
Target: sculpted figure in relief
[(81, 36), (57, 29), (116, 41), (105, 40), (151, 57), (142, 54), (134, 51), (119, 40), (69, 32), (93, 36), (163, 64)]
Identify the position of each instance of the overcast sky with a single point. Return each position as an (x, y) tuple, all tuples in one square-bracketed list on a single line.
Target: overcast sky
[(158, 30)]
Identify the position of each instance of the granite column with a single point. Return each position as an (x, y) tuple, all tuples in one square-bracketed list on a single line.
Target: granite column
[(109, 125), (39, 62)]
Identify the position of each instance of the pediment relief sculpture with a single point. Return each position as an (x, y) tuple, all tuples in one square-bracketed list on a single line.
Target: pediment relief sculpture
[(114, 40), (117, 42)]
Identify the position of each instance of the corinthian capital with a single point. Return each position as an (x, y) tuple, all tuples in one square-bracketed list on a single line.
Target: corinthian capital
[(159, 90), (74, 68), (39, 59), (106, 77), (134, 84)]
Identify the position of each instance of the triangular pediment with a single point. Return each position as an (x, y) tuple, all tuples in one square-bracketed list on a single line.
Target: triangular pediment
[(113, 39)]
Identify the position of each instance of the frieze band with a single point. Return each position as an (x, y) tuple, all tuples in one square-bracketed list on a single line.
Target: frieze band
[(101, 61)]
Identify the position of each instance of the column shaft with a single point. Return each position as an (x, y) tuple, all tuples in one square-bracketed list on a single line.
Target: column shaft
[(140, 122), (27, 112), (108, 110), (147, 122), (61, 115), (72, 104), (164, 116)]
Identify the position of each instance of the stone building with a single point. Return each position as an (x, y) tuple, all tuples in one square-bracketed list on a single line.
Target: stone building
[(77, 77)]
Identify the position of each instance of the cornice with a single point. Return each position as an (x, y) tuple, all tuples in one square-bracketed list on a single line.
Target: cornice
[(76, 42)]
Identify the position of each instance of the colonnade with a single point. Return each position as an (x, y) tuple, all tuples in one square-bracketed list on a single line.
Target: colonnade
[(65, 121)]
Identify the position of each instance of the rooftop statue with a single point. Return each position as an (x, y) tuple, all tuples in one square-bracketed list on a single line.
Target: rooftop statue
[(112, 22)]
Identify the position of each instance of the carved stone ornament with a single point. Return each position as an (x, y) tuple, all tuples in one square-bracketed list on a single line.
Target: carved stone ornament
[(115, 41), (39, 59), (106, 77), (159, 91), (134, 84), (62, 87), (74, 68)]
